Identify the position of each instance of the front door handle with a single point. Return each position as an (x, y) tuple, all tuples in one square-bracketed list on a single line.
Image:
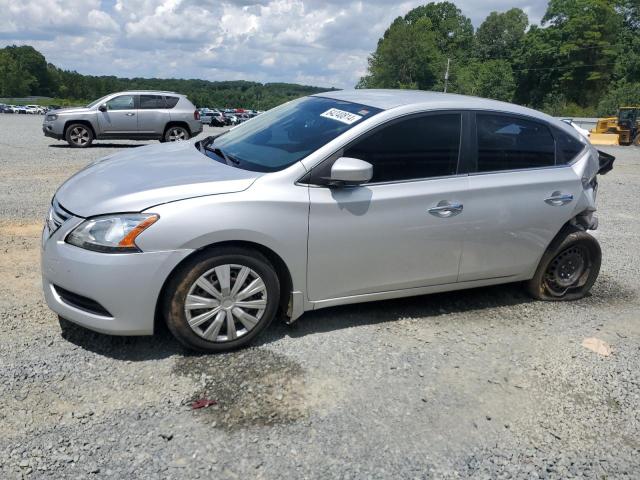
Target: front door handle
[(557, 199), (130, 114), (446, 209)]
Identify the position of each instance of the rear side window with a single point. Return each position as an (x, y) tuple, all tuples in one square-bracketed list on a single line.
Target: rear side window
[(414, 148), (568, 147), (171, 101), (511, 143), (151, 101)]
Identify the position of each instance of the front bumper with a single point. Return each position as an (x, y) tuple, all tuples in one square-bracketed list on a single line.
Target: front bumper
[(49, 130), (127, 285)]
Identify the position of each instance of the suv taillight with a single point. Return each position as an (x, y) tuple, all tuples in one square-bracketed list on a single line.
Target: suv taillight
[(196, 115)]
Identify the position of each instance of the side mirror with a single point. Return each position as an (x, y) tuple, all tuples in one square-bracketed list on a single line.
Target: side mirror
[(103, 107), (350, 172)]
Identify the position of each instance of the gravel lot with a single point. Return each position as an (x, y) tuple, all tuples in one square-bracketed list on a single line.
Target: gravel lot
[(482, 383)]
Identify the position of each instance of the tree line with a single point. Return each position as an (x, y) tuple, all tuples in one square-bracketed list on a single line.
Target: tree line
[(583, 59), (25, 72)]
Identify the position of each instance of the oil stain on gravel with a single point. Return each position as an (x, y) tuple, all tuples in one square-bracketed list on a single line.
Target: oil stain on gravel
[(250, 387)]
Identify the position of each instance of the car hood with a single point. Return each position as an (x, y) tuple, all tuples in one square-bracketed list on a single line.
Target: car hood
[(65, 111), (136, 179)]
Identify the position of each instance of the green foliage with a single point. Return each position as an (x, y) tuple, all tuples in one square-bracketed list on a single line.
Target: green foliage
[(489, 79), (24, 72), (584, 58), (624, 95), (501, 35)]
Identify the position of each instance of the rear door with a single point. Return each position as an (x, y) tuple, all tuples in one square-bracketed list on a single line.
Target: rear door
[(518, 198), (152, 115), (121, 116)]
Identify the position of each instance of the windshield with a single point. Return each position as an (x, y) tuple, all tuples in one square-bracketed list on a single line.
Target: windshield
[(96, 102), (284, 135)]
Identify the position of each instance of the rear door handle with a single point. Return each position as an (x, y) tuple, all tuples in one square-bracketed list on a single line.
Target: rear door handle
[(446, 209), (558, 199), (130, 114)]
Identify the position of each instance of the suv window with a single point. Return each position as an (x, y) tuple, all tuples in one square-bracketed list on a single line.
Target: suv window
[(511, 143), (123, 102), (151, 102), (171, 101), (568, 147), (414, 148)]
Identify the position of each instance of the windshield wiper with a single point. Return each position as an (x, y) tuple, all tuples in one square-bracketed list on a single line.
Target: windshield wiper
[(218, 151)]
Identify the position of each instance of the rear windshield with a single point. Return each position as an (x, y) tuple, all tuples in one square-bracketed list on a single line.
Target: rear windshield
[(286, 134)]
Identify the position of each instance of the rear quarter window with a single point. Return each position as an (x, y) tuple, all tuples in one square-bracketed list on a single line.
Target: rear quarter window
[(569, 147), (171, 101)]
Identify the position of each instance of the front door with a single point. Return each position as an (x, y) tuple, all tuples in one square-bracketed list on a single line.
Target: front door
[(121, 116), (402, 230)]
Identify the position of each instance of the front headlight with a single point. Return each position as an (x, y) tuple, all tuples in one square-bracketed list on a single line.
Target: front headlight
[(111, 233), (51, 117)]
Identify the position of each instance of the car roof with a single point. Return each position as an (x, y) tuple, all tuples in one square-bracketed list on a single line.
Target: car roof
[(137, 92), (388, 99)]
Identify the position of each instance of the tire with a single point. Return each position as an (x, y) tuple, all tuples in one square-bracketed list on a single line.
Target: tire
[(176, 133), (568, 269), (210, 330), (636, 141), (78, 135)]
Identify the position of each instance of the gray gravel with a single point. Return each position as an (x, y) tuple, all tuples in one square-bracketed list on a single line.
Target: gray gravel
[(478, 384)]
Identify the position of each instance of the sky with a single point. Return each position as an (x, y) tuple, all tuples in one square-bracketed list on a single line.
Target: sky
[(313, 42)]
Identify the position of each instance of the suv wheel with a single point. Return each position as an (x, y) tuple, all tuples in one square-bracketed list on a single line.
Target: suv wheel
[(568, 269), (176, 134), (79, 135), (222, 300)]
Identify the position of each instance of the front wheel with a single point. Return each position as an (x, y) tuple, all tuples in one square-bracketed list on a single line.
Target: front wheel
[(636, 141), (222, 300), (176, 134), (79, 136), (568, 269)]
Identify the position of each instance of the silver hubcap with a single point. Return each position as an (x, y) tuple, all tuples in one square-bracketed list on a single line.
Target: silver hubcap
[(225, 303), (79, 135), (177, 134)]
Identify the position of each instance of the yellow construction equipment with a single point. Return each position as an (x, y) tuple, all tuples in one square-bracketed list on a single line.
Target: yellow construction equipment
[(621, 130)]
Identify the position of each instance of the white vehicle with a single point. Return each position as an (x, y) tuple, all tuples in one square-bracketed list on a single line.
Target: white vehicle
[(35, 109), (582, 131)]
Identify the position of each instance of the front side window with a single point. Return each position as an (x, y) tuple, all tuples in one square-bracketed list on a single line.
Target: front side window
[(286, 134), (123, 102), (413, 148), (148, 102), (511, 143)]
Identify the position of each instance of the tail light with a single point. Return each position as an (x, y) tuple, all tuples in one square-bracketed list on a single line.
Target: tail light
[(196, 115)]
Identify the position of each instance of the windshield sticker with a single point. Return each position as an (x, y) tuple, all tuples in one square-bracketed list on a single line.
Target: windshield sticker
[(341, 116)]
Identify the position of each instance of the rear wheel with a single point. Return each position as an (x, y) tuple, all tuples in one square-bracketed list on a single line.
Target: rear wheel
[(568, 269), (222, 300), (79, 135), (176, 133)]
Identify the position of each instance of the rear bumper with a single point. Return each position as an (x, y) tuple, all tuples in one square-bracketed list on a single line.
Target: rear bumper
[(125, 286)]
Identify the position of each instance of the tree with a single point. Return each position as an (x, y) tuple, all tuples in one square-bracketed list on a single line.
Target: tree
[(413, 51), (488, 79), (501, 35)]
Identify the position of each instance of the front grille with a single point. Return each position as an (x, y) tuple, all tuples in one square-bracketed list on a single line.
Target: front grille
[(80, 302), (57, 216)]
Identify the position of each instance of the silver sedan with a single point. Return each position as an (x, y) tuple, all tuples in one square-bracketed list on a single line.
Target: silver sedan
[(336, 198)]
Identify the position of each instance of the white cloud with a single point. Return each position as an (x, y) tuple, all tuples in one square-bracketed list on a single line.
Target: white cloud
[(319, 42)]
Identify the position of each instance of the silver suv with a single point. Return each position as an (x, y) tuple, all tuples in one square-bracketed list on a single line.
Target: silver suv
[(336, 198), (132, 115)]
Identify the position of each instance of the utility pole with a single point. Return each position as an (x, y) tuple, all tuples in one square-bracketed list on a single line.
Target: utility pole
[(446, 75)]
